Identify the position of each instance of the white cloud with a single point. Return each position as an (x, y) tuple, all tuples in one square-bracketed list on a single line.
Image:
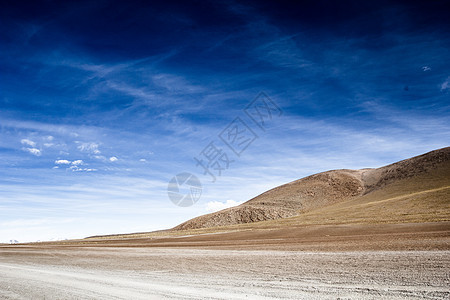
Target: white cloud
[(33, 151), (446, 84), (113, 159), (62, 162), (100, 157), (174, 83), (133, 91), (50, 138), (213, 206), (426, 68), (78, 169), (89, 147), (74, 164), (48, 145), (28, 142), (143, 160)]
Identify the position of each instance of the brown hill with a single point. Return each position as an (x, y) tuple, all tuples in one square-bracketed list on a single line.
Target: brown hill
[(415, 189)]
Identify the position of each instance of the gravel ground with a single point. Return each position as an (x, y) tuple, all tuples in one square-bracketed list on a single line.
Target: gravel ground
[(160, 273)]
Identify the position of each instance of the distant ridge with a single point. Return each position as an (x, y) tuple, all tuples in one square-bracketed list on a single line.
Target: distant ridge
[(423, 173)]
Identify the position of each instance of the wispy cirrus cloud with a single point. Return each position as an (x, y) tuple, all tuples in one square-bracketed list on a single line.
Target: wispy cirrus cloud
[(446, 84)]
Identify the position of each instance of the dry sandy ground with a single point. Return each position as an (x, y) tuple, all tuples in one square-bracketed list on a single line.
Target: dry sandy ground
[(320, 238), (57, 272)]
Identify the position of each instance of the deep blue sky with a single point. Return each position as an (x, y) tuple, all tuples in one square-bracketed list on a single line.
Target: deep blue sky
[(102, 102)]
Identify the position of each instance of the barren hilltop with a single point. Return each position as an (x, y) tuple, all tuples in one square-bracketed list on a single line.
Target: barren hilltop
[(412, 190)]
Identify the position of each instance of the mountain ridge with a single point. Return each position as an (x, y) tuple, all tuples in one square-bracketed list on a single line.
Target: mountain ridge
[(321, 190)]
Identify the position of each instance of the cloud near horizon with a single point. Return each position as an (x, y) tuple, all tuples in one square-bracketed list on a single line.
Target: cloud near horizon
[(214, 206)]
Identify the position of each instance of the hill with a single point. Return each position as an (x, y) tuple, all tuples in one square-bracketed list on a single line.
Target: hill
[(413, 190)]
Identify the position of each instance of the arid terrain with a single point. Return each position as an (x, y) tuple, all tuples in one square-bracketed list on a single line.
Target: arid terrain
[(182, 273), (347, 234)]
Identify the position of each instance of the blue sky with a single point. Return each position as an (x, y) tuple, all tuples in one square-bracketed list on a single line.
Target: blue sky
[(103, 102)]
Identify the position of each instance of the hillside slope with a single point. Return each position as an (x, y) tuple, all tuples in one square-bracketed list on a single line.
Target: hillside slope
[(412, 190)]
